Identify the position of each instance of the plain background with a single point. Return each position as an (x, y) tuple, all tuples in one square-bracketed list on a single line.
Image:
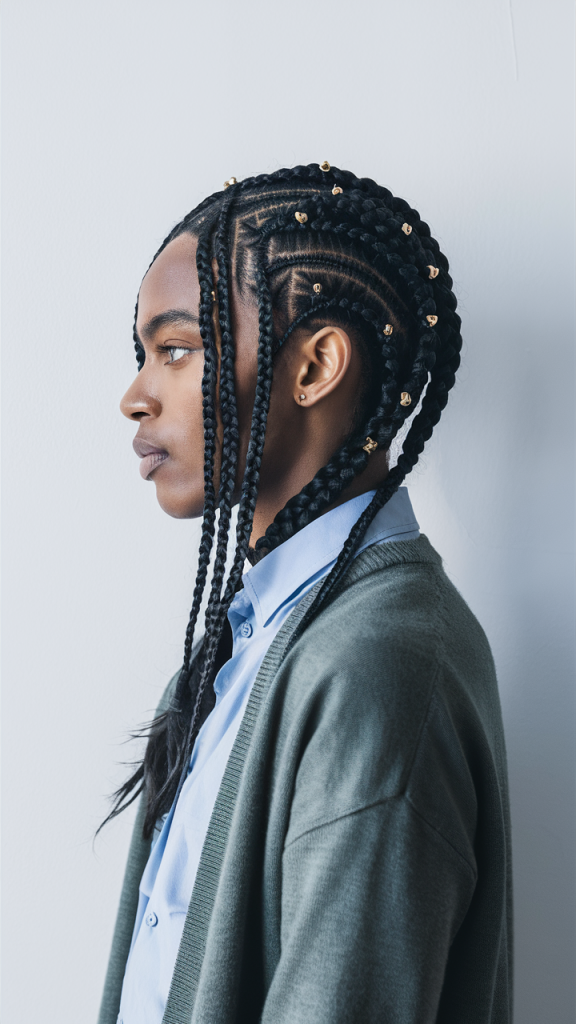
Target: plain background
[(119, 116)]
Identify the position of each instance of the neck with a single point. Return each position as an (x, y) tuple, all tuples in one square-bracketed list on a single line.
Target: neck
[(273, 495)]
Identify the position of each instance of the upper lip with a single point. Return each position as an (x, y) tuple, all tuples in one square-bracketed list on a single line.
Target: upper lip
[(143, 448)]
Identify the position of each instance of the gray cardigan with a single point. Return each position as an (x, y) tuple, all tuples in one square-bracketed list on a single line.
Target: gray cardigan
[(357, 865)]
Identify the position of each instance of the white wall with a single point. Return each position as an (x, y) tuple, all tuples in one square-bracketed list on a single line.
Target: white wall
[(120, 115)]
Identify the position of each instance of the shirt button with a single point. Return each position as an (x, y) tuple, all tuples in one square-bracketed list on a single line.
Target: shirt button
[(151, 919), (246, 630)]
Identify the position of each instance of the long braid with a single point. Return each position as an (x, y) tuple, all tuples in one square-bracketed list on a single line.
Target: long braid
[(173, 723), (229, 413), (210, 427), (228, 468), (346, 556), (378, 268), (219, 608)]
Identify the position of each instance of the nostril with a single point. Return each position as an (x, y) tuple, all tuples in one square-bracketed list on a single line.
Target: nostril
[(137, 404)]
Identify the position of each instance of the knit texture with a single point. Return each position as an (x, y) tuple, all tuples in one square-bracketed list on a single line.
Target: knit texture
[(357, 864)]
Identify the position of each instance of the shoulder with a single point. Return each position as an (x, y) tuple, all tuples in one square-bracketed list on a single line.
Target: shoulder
[(397, 616), (397, 659)]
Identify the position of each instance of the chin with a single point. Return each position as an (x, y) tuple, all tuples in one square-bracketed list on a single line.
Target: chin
[(180, 503)]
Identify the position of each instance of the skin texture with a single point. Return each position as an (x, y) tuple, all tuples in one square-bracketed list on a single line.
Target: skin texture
[(165, 399)]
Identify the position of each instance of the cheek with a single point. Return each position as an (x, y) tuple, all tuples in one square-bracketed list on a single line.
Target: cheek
[(180, 480), (188, 425), (182, 410)]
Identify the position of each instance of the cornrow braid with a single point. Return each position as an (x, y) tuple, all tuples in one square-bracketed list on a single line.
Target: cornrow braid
[(382, 277), (389, 415)]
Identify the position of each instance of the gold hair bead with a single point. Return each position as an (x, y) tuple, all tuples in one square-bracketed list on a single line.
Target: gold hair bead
[(406, 229), (231, 181), (301, 217), (405, 398), (370, 445), (317, 288), (432, 271), (337, 191), (432, 320), (387, 330), (324, 166)]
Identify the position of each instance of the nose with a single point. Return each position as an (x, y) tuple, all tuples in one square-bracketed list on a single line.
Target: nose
[(138, 401)]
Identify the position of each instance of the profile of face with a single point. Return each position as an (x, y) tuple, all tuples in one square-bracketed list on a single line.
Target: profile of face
[(165, 399), (314, 393)]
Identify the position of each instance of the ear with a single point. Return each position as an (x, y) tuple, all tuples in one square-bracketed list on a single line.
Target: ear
[(321, 365)]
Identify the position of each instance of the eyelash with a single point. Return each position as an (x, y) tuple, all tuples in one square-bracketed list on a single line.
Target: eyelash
[(174, 348)]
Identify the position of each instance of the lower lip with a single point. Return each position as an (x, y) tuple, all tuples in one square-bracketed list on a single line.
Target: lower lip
[(151, 462)]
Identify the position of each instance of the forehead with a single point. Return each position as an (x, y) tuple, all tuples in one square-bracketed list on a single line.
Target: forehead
[(172, 280)]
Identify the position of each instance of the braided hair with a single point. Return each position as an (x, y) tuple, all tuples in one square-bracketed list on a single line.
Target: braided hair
[(310, 245)]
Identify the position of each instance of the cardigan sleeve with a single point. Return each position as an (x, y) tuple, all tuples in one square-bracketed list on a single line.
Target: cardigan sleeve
[(370, 904)]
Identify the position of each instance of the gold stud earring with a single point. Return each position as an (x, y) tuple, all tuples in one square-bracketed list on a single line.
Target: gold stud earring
[(337, 191), (406, 229), (432, 320), (370, 445), (317, 288), (432, 271), (324, 166), (387, 330), (301, 217), (231, 181), (405, 398)]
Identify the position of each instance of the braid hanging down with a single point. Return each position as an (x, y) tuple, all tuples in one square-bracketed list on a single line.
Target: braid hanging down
[(311, 245)]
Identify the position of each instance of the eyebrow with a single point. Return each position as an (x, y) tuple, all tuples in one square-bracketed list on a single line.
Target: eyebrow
[(170, 318)]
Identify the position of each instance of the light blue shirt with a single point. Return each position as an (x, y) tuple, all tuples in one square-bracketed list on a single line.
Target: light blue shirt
[(272, 588)]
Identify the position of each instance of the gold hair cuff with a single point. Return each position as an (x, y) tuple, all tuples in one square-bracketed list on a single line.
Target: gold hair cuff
[(317, 288), (370, 445), (337, 191), (301, 217), (432, 271), (324, 166), (231, 181), (406, 229), (432, 320), (405, 398), (387, 330)]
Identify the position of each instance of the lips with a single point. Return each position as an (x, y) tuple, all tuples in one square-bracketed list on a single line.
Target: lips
[(151, 456)]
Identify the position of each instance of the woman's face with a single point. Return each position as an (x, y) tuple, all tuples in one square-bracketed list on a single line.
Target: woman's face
[(165, 399)]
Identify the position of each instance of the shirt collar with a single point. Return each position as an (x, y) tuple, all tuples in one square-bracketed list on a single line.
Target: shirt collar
[(311, 551)]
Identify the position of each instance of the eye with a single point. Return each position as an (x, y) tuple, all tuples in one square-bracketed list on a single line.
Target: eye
[(176, 353)]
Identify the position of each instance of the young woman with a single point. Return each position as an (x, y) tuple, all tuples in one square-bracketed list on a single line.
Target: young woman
[(323, 827)]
